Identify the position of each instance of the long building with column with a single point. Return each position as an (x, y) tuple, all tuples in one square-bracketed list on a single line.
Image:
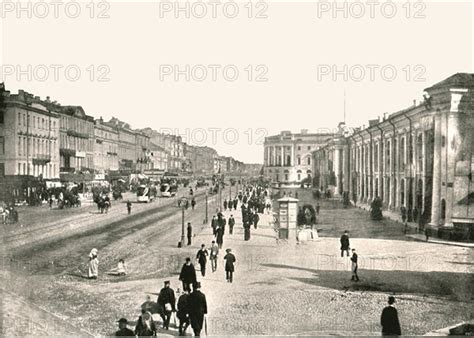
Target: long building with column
[(287, 156), (421, 157)]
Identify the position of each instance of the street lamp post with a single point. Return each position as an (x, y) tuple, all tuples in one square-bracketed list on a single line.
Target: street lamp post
[(206, 219), (183, 204)]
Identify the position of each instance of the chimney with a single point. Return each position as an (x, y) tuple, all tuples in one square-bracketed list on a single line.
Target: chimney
[(47, 99), (414, 103)]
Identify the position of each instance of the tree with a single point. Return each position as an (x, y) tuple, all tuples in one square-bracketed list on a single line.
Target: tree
[(376, 209)]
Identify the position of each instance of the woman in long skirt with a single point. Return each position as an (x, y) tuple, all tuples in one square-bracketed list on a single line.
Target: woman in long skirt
[(93, 264)]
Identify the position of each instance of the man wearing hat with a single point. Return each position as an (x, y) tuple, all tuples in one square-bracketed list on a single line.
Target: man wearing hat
[(124, 331), (188, 274), (389, 320), (229, 265), (167, 303), (197, 306)]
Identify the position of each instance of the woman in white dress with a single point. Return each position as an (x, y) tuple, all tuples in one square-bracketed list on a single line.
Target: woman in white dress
[(93, 264)]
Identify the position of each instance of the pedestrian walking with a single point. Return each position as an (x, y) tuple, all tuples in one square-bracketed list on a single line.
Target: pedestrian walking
[(124, 331), (129, 207), (197, 306), (213, 255), (201, 257), (231, 224), (246, 231), (93, 272), (389, 319), (183, 312), (345, 246), (220, 237), (427, 233), (189, 233), (145, 326), (166, 302), (193, 203), (225, 204), (317, 208), (229, 265), (354, 267), (51, 204), (214, 225), (188, 274), (256, 219), (236, 202)]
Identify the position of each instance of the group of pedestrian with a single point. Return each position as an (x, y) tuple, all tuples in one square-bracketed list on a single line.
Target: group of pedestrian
[(345, 248), (230, 204)]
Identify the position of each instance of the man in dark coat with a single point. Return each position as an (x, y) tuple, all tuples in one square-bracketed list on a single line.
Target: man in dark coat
[(389, 319), (220, 237), (201, 257), (355, 266), (225, 204), (246, 230), (214, 224), (197, 306), (236, 202), (188, 274), (183, 313), (167, 302), (231, 224), (124, 331), (229, 265), (189, 233), (256, 218), (345, 246)]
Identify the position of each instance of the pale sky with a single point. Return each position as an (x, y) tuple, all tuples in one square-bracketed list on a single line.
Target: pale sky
[(304, 55)]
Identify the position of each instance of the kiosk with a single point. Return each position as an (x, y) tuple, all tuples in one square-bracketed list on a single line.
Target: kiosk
[(287, 219)]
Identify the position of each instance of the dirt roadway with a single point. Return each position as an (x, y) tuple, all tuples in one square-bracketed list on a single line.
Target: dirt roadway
[(33, 273)]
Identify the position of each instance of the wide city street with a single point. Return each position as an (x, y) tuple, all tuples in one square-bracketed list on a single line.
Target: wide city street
[(278, 288)]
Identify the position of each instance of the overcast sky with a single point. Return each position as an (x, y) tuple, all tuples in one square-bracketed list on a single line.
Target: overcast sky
[(226, 81)]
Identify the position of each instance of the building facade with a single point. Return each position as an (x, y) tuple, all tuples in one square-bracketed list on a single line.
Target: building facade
[(158, 157), (76, 142), (288, 156), (142, 147), (126, 145), (29, 137), (105, 148), (421, 158)]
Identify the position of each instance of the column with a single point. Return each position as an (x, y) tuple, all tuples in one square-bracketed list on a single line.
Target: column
[(391, 172), (398, 156), (345, 169), (435, 202), (292, 158), (282, 151), (336, 169), (274, 155)]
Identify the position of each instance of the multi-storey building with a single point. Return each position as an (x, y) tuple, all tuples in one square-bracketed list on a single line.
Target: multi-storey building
[(76, 135), (126, 145), (421, 158), (105, 148), (287, 156), (158, 157), (142, 147), (29, 137)]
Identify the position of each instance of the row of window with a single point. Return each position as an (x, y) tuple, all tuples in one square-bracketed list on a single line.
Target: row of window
[(38, 122), (79, 125), (77, 143), (35, 146), (47, 170)]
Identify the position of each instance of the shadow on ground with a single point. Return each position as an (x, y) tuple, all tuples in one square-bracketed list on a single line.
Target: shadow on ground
[(455, 286)]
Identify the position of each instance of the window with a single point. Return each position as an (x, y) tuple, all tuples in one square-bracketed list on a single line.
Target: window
[(286, 177), (308, 160), (309, 147), (19, 119), (299, 177), (298, 160), (19, 147), (19, 168), (299, 147)]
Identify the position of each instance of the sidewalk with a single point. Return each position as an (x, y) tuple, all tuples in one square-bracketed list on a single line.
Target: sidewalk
[(412, 226), (422, 238)]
